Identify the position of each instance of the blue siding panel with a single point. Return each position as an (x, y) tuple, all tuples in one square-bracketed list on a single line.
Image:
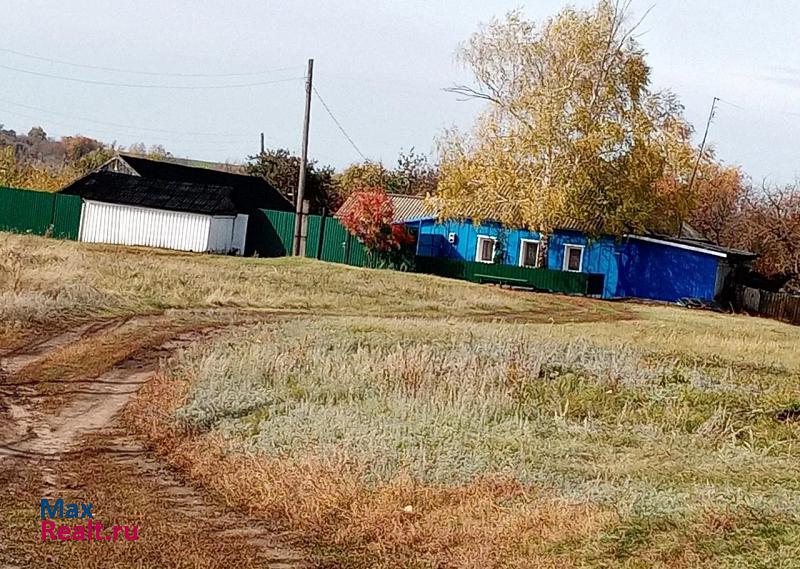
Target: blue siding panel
[(599, 256), (632, 268), (433, 240), (641, 269), (660, 272)]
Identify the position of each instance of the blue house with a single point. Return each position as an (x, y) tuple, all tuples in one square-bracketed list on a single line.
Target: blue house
[(657, 267)]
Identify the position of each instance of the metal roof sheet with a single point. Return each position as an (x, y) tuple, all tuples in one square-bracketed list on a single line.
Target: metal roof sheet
[(405, 208)]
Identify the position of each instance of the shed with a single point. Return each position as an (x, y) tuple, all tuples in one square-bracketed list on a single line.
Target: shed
[(249, 192), (130, 210), (138, 201)]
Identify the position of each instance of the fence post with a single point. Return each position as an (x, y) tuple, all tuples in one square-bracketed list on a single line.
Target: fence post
[(321, 239)]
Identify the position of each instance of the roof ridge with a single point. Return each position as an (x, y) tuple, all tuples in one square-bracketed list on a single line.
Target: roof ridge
[(125, 155), (410, 196)]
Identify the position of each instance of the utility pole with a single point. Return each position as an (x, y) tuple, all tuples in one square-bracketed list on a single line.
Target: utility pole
[(700, 154), (301, 183), (262, 143)]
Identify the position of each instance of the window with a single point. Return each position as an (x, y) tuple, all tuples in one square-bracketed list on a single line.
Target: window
[(529, 253), (573, 258), (485, 253)]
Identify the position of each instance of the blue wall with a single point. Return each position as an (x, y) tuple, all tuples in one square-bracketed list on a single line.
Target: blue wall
[(632, 267), (433, 240), (599, 256), (661, 272)]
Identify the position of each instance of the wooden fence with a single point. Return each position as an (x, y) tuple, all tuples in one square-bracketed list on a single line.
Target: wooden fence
[(777, 305)]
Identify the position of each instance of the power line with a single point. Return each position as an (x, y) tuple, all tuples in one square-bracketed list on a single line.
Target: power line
[(148, 73), (165, 138), (735, 106), (125, 126), (146, 86), (760, 111), (341, 128)]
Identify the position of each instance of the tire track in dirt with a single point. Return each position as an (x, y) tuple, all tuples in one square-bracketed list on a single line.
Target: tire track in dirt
[(14, 360), (86, 422)]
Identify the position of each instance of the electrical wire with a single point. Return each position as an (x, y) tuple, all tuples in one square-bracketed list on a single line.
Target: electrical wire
[(735, 106), (759, 111), (148, 86), (338, 124), (148, 73), (125, 126), (157, 139)]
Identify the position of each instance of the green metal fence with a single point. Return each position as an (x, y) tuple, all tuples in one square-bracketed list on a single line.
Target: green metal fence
[(42, 213), (270, 235), (539, 279), (66, 216)]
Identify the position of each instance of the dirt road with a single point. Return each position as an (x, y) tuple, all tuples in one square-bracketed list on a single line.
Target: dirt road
[(61, 437)]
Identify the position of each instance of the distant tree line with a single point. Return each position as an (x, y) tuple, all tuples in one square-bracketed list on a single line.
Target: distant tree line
[(326, 189), (35, 160)]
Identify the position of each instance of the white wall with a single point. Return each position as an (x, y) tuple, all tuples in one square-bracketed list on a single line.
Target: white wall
[(129, 225)]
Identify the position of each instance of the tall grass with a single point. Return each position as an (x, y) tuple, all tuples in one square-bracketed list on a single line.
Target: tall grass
[(384, 439), (447, 403)]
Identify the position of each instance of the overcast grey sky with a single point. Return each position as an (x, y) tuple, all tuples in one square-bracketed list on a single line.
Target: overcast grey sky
[(380, 65)]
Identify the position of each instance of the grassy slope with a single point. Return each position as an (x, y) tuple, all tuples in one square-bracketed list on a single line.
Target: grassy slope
[(46, 284), (521, 429)]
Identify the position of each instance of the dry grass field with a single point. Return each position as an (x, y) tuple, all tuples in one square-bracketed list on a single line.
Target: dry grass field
[(47, 285), (392, 420)]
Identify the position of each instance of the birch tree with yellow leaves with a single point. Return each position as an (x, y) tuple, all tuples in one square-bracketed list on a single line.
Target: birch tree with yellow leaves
[(572, 134)]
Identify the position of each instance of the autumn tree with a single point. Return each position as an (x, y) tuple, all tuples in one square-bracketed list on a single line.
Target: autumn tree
[(572, 131), (414, 174), (717, 201), (84, 154), (281, 168), (154, 152), (770, 226), (367, 174), (18, 173), (369, 217)]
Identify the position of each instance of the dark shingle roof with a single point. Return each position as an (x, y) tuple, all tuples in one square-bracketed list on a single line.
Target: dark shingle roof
[(123, 189), (250, 192)]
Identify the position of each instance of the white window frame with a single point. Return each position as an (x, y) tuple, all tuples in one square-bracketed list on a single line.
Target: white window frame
[(565, 264), (522, 243), (482, 238)]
